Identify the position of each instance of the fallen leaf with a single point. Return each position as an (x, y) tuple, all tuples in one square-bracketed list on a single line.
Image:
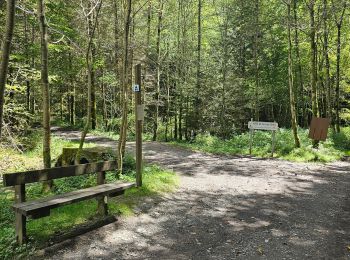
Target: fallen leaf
[(260, 250)]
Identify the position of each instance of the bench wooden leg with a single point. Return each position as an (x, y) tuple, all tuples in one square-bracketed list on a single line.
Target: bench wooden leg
[(21, 229), (102, 207), (20, 225)]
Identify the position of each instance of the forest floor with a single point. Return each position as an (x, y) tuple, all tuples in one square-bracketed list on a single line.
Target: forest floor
[(226, 208)]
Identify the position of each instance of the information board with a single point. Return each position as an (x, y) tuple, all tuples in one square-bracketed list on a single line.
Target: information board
[(319, 128), (268, 126)]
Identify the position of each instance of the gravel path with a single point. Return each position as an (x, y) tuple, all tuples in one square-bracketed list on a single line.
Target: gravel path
[(228, 208)]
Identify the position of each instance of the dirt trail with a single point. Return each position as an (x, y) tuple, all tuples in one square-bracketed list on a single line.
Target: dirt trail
[(228, 208)]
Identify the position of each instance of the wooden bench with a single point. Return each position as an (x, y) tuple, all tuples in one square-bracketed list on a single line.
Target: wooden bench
[(41, 208)]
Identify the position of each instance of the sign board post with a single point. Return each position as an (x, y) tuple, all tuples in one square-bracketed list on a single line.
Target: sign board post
[(268, 126), (251, 133), (139, 116), (273, 143)]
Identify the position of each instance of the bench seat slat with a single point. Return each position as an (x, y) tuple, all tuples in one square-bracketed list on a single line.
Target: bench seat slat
[(34, 207)]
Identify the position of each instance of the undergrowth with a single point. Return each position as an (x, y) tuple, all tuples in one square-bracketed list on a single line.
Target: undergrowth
[(155, 181), (336, 146)]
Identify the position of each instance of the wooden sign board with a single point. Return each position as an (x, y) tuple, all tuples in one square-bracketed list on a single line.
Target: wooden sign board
[(319, 128), (269, 126)]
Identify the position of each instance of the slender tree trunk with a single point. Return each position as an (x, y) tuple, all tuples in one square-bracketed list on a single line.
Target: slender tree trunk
[(72, 105), (89, 65), (175, 123), (167, 107), (71, 93), (338, 22), (26, 37), (304, 117), (92, 69), (157, 90), (93, 91), (105, 114), (337, 84), (327, 79), (45, 90), (32, 101), (223, 121), (256, 62), (291, 83), (313, 50), (123, 129), (5, 54), (147, 50), (197, 104), (117, 56), (313, 74)]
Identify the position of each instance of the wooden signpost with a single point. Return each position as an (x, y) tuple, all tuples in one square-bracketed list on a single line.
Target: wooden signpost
[(139, 116), (268, 126)]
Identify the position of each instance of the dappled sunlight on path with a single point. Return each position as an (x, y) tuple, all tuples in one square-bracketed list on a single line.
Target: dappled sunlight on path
[(230, 207)]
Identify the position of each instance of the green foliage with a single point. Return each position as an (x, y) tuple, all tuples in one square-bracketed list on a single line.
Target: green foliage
[(333, 149), (155, 181)]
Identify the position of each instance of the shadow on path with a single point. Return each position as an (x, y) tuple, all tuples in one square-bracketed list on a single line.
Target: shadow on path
[(228, 208)]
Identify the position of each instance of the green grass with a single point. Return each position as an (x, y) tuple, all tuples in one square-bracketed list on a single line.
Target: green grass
[(155, 181), (115, 136), (31, 158), (336, 146)]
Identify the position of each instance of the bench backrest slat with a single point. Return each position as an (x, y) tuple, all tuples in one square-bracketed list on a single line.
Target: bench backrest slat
[(57, 173)]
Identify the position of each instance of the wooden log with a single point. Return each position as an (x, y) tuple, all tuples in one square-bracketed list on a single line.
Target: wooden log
[(102, 207), (20, 220), (57, 173)]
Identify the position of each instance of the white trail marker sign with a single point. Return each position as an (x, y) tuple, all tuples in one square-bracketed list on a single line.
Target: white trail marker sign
[(267, 126)]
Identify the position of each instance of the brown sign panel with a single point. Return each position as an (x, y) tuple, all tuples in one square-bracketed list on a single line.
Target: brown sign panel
[(319, 128)]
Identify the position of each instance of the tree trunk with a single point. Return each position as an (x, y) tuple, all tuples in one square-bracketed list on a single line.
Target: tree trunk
[(71, 104), (26, 37), (256, 62), (89, 66), (91, 33), (338, 22), (180, 117), (291, 83), (337, 85), (93, 89), (327, 79), (313, 80), (304, 117), (45, 90), (223, 121), (105, 114), (197, 100), (118, 89), (167, 107), (125, 96), (5, 54), (157, 90)]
